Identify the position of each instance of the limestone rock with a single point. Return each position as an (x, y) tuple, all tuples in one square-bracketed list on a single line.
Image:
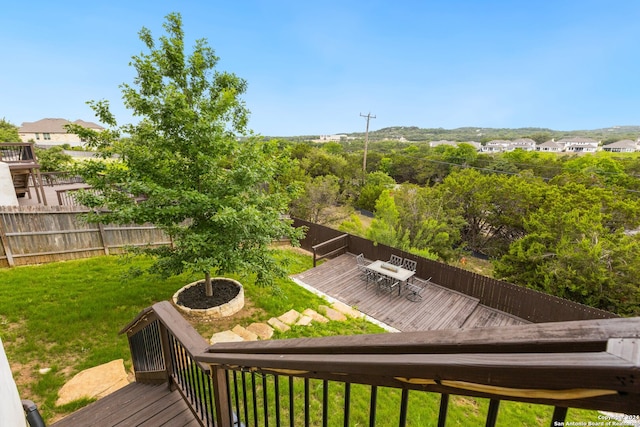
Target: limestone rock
[(317, 317), (94, 383), (244, 333), (332, 314), (304, 321), (225, 336), (347, 310), (278, 324), (262, 330), (290, 317)]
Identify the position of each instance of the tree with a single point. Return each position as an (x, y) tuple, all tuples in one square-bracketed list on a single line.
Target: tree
[(320, 198), (375, 184), (493, 207), (182, 167), (571, 250), (429, 224), (53, 159), (385, 227), (319, 162), (8, 131)]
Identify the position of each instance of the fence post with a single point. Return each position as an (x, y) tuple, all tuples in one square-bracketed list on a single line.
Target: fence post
[(5, 243), (103, 238)]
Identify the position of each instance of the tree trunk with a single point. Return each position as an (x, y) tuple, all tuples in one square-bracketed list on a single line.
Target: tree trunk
[(208, 287)]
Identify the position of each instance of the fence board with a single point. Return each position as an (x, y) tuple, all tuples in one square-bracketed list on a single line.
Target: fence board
[(35, 234)]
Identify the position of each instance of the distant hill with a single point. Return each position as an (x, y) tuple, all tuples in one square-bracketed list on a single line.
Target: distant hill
[(486, 134), (478, 134)]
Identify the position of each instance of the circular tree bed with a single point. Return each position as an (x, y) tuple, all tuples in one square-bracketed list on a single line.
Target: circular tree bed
[(227, 299)]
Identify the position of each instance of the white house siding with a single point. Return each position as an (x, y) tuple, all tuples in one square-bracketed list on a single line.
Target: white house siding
[(11, 412), (7, 191)]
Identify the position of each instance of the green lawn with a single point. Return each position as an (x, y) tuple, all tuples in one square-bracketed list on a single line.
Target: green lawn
[(66, 316)]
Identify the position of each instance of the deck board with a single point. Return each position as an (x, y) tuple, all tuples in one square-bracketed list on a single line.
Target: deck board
[(440, 308), (134, 405)]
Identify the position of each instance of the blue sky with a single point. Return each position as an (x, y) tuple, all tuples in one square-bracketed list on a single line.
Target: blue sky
[(314, 67)]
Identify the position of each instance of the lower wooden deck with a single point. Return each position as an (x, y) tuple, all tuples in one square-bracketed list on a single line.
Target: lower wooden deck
[(440, 308), (135, 405)]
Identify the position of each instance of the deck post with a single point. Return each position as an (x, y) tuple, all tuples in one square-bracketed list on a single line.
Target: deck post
[(220, 396), (166, 354)]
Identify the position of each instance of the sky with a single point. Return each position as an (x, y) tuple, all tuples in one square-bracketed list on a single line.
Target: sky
[(314, 67)]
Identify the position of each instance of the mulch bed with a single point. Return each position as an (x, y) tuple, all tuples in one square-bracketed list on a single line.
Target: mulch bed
[(195, 296)]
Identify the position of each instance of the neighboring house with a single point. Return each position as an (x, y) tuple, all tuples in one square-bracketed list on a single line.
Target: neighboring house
[(622, 146), (496, 146), (579, 145), (331, 138), (551, 146), (47, 132), (525, 144)]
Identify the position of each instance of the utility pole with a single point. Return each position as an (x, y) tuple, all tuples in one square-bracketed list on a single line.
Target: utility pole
[(366, 144)]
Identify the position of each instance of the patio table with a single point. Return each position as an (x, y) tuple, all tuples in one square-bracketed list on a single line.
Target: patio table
[(395, 272)]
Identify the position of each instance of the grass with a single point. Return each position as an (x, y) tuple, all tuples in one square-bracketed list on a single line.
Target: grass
[(66, 316)]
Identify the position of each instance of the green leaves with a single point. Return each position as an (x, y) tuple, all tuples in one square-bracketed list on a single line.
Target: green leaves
[(571, 250), (8, 131), (183, 169)]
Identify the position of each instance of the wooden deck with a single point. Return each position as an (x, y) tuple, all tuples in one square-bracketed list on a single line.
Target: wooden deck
[(440, 308), (135, 405)]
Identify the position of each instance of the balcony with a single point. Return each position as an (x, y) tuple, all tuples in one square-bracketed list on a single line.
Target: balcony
[(590, 364)]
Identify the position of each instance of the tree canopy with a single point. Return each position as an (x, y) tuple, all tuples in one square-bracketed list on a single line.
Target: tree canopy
[(8, 131), (182, 167)]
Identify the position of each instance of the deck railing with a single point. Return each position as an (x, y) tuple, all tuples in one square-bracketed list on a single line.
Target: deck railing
[(61, 178), (17, 153), (387, 378), (163, 347), (332, 247)]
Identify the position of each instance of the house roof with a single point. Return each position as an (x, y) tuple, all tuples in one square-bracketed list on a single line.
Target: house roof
[(552, 144), (54, 126), (577, 140), (524, 141), (624, 143)]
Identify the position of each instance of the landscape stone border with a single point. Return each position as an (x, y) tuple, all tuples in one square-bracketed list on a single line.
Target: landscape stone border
[(224, 310)]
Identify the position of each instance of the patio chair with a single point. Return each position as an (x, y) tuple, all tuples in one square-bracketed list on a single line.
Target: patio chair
[(409, 264), (395, 260), (416, 288), (365, 273), (387, 284)]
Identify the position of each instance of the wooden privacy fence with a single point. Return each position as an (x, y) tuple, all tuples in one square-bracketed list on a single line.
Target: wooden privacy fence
[(35, 235), (528, 304)]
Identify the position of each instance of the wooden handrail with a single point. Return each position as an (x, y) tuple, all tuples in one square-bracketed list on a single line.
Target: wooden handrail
[(331, 253), (589, 364), (564, 363), (560, 337)]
